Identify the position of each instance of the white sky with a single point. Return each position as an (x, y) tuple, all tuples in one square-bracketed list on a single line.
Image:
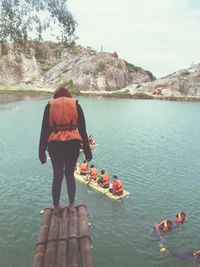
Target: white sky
[(158, 35)]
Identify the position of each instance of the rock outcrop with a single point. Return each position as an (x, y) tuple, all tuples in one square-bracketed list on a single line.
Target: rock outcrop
[(49, 65), (184, 82)]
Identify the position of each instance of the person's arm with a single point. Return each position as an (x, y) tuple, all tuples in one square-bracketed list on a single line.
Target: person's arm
[(45, 132), (83, 133)]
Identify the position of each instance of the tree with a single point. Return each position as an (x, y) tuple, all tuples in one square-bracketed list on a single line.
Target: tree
[(22, 20)]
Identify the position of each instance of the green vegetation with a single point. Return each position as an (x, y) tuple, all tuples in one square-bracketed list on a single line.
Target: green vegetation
[(18, 88), (40, 51), (122, 94), (72, 88), (151, 76), (185, 73), (132, 67), (142, 96), (45, 66), (101, 66), (4, 48), (19, 20)]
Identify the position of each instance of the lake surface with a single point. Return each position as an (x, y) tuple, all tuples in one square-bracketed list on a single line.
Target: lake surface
[(153, 146)]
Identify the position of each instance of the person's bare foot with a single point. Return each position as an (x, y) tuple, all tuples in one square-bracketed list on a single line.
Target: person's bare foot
[(71, 207), (57, 210)]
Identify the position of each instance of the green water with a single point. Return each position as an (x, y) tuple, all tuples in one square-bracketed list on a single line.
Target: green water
[(152, 146)]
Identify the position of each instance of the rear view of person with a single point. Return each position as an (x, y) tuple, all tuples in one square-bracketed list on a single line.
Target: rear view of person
[(63, 128), (93, 173), (117, 187), (84, 168), (104, 180)]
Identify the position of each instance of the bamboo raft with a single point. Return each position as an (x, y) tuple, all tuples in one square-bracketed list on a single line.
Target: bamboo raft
[(64, 240), (93, 184)]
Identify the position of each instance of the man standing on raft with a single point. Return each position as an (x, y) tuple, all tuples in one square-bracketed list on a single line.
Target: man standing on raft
[(63, 128)]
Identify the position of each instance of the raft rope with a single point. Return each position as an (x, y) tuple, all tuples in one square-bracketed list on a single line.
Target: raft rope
[(63, 239)]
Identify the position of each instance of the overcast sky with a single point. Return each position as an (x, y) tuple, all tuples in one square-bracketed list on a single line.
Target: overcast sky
[(158, 35)]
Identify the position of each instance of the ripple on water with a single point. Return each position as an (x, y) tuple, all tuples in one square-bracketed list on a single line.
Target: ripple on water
[(152, 146)]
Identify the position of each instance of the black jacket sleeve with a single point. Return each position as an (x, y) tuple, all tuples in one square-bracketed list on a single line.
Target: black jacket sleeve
[(83, 133), (45, 132)]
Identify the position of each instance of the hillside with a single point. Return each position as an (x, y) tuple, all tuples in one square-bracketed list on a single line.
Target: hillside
[(185, 82), (47, 65)]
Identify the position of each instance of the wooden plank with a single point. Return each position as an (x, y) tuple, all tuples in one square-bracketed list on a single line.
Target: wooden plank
[(64, 239), (43, 235), (85, 242), (73, 250), (62, 248), (51, 247), (93, 184)]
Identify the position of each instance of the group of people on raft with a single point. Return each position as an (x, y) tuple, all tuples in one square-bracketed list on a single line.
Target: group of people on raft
[(102, 179)]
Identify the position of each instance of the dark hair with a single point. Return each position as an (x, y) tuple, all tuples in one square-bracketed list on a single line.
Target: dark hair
[(115, 176), (169, 224), (62, 91), (102, 172), (92, 166), (182, 214)]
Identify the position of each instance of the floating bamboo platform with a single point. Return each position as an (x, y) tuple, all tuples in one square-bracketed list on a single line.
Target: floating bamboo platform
[(93, 184), (64, 239)]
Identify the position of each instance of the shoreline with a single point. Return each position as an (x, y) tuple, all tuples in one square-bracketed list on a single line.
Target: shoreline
[(10, 94), (140, 96)]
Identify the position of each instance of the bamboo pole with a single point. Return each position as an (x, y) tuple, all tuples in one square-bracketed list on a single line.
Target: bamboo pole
[(85, 242), (73, 249), (62, 255), (50, 255), (40, 249)]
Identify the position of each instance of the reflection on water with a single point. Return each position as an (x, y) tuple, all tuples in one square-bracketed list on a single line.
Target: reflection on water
[(152, 146)]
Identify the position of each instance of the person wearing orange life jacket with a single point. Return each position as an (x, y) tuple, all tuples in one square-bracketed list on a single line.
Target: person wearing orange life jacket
[(83, 168), (93, 173), (117, 187), (104, 180), (164, 226), (180, 218), (63, 128), (91, 140)]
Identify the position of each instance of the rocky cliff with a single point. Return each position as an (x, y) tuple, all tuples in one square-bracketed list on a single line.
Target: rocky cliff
[(48, 65), (184, 82)]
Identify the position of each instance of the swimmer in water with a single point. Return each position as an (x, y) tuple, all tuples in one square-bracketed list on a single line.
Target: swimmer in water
[(190, 255), (180, 218), (163, 227)]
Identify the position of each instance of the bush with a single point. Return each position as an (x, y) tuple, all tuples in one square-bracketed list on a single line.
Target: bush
[(101, 66), (72, 88), (40, 52), (132, 67), (4, 48), (45, 66)]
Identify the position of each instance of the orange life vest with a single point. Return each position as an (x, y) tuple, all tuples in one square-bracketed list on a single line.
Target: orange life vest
[(106, 180), (93, 173), (119, 188), (63, 120), (83, 168)]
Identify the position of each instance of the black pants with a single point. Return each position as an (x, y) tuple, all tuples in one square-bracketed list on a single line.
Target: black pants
[(63, 158)]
